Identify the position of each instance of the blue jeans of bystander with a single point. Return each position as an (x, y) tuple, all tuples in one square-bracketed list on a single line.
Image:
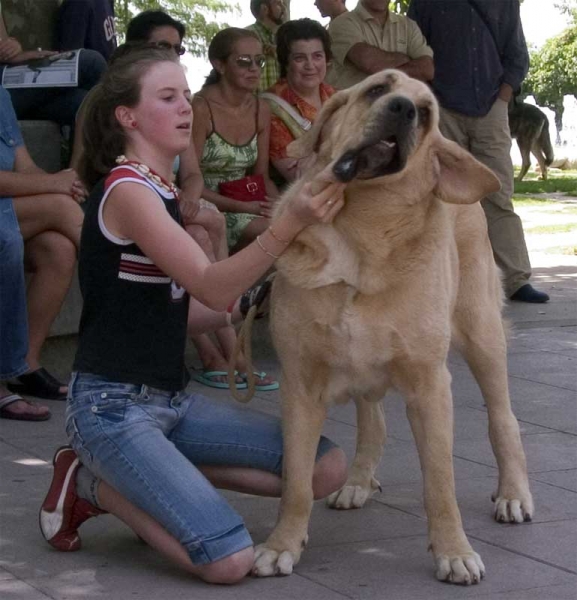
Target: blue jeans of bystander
[(13, 319)]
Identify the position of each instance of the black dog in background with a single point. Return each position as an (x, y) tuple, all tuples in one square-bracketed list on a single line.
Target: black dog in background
[(530, 127)]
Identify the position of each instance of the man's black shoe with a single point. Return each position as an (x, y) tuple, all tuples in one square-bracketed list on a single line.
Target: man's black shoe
[(527, 293)]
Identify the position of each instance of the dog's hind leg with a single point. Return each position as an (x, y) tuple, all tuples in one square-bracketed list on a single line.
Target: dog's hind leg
[(538, 154), (371, 433), (525, 160), (482, 341), (427, 391), (303, 415)]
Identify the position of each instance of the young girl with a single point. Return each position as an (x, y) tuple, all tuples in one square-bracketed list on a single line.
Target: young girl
[(151, 452)]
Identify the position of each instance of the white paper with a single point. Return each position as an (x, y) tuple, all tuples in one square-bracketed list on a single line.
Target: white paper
[(45, 72)]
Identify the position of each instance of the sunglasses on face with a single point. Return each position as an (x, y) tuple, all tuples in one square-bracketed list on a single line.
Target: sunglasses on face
[(178, 48), (245, 61)]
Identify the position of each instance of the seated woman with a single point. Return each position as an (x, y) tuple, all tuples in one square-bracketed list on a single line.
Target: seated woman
[(58, 104), (231, 131), (50, 220), (303, 49)]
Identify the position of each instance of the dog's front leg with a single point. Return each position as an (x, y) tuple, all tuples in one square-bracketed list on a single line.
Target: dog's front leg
[(427, 390), (361, 483), (302, 418)]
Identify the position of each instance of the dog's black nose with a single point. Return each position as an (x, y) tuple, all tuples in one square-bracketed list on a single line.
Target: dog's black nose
[(402, 108), (346, 167)]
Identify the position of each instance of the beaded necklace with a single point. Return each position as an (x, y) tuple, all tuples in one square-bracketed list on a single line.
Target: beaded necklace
[(149, 174)]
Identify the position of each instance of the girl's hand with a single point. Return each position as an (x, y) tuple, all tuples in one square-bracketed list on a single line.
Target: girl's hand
[(318, 208), (67, 182), (189, 210)]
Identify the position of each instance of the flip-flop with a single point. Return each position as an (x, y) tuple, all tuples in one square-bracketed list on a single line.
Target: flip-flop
[(269, 387), (205, 377), (25, 416)]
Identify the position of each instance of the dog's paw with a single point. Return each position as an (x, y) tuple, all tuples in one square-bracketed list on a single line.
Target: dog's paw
[(513, 510), (352, 496), (269, 562), (464, 570)]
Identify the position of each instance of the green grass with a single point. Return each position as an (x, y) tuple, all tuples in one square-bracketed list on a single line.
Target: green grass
[(554, 228), (563, 182), (570, 250)]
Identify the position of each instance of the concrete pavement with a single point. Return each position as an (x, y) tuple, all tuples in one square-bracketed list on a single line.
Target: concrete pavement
[(379, 552)]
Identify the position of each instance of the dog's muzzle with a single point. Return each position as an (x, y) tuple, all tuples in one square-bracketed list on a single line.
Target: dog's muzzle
[(388, 140)]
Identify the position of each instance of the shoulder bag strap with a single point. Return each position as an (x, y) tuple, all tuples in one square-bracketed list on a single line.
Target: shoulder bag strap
[(295, 122)]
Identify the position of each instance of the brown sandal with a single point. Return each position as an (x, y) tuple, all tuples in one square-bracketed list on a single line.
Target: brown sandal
[(6, 401)]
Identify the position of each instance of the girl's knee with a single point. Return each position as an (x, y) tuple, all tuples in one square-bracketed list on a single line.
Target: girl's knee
[(330, 473), (229, 570)]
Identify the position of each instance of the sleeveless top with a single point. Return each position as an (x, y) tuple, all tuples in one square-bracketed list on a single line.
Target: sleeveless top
[(223, 161), (133, 324)]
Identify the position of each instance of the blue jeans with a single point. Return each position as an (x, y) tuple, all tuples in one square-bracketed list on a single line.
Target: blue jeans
[(59, 104), (13, 318), (146, 442)]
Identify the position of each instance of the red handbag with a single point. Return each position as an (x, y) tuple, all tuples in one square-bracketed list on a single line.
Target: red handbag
[(247, 189)]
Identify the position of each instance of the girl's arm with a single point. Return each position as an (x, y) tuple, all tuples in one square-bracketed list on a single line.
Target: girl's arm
[(27, 179), (135, 212), (261, 166)]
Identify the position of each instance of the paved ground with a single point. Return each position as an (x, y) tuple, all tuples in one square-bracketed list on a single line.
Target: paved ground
[(374, 553)]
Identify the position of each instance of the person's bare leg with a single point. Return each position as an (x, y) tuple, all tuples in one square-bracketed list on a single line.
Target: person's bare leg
[(49, 212), (51, 258), (249, 233), (328, 476), (231, 569), (201, 236)]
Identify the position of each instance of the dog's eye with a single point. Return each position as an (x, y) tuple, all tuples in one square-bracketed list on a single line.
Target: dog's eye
[(377, 91)]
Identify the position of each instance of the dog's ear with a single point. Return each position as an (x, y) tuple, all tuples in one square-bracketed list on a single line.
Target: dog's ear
[(309, 142), (461, 178)]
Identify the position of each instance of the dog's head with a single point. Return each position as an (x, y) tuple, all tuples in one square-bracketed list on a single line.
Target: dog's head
[(378, 127)]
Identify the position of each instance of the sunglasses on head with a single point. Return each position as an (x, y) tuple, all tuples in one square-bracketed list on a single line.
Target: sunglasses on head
[(178, 48), (245, 61)]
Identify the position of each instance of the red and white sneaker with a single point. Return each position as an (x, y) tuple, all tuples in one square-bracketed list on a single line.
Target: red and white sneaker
[(62, 512)]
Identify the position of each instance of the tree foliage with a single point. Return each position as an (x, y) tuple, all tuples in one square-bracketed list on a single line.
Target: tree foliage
[(553, 71), (201, 18)]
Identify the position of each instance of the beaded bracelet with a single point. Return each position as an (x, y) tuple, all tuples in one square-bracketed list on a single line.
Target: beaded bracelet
[(275, 256), (276, 237)]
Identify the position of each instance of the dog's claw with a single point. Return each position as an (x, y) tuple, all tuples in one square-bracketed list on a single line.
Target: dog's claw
[(463, 570), (268, 562), (513, 510)]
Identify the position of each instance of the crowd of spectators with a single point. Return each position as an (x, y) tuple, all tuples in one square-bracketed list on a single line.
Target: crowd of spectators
[(267, 84)]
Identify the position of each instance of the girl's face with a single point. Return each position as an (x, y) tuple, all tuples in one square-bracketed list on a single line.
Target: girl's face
[(243, 67), (307, 65), (163, 116), (169, 36)]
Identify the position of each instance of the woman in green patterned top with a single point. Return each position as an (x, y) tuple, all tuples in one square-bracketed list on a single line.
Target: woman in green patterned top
[(231, 131)]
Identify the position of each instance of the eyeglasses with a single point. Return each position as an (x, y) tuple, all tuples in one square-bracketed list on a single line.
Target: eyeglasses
[(178, 48), (246, 61)]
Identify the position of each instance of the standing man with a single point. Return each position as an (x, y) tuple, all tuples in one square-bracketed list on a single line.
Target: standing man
[(269, 15), (480, 58), (87, 24), (331, 8), (370, 38)]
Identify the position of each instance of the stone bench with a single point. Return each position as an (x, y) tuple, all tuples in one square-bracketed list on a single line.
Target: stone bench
[(44, 143)]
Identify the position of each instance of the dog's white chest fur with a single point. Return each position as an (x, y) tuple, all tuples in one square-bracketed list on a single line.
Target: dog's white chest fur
[(361, 350)]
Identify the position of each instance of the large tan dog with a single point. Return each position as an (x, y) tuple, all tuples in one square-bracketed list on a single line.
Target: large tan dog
[(373, 300)]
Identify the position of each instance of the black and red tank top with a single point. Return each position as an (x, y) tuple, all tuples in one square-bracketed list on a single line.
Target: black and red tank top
[(133, 324)]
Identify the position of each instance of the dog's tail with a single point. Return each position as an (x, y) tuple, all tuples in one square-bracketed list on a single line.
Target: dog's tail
[(545, 141)]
